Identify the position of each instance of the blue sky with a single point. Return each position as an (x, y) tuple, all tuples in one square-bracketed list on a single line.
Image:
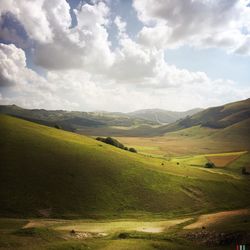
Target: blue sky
[(215, 62), (92, 55)]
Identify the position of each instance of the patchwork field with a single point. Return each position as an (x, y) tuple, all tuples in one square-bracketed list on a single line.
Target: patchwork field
[(222, 161), (171, 145)]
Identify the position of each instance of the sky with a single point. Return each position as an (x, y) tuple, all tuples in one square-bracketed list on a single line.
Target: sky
[(124, 55)]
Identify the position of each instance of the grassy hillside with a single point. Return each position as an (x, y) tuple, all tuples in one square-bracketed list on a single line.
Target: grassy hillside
[(215, 117), (50, 172)]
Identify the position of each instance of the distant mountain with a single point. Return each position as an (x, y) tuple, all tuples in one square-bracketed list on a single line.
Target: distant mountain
[(231, 120), (73, 120), (220, 117), (162, 116)]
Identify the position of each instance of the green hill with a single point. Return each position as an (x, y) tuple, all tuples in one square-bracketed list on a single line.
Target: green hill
[(216, 117), (51, 172), (239, 131)]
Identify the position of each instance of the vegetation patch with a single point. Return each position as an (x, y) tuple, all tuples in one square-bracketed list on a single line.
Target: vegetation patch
[(209, 165), (41, 232), (116, 143)]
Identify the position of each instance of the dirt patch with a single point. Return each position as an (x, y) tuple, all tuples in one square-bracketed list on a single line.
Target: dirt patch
[(150, 229), (222, 161), (41, 223), (120, 225), (208, 219)]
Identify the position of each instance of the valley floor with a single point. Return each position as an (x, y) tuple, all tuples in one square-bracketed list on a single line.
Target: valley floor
[(165, 196), (221, 230)]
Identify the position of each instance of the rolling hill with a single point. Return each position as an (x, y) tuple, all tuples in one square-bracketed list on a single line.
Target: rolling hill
[(51, 172), (215, 117), (162, 116), (73, 120), (95, 121)]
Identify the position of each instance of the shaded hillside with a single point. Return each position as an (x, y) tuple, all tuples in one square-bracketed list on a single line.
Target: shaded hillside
[(216, 117), (161, 115), (50, 172), (239, 131)]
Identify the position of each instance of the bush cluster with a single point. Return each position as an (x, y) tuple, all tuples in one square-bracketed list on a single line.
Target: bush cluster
[(209, 165), (116, 143)]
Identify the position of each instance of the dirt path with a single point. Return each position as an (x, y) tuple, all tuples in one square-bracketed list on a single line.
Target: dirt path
[(208, 219), (116, 226), (42, 223)]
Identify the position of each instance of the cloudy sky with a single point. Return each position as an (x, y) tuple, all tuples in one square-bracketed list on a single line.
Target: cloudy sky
[(123, 55)]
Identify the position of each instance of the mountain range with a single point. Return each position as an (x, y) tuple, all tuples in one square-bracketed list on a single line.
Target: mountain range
[(74, 120)]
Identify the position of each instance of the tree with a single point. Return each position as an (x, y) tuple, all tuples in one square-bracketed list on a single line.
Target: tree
[(133, 150), (111, 141)]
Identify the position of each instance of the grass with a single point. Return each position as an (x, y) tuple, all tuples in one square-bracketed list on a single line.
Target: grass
[(44, 168), (195, 140), (122, 237), (139, 200)]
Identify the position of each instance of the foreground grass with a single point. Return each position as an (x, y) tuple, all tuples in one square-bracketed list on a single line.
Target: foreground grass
[(55, 234)]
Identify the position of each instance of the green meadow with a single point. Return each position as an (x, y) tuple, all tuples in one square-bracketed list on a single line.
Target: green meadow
[(53, 182)]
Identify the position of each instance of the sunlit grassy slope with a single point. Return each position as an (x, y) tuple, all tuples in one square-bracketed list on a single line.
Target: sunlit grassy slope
[(69, 175)]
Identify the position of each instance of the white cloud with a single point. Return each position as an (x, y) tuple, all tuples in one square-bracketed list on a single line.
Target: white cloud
[(20, 84), (215, 23), (120, 24), (32, 15), (57, 46), (84, 74), (79, 90), (81, 46), (13, 69)]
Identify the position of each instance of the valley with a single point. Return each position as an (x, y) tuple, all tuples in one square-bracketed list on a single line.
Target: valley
[(187, 188)]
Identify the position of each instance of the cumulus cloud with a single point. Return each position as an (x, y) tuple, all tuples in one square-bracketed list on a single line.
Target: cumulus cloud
[(32, 15), (78, 47), (57, 46), (80, 90), (215, 23), (13, 66), (83, 73), (19, 84)]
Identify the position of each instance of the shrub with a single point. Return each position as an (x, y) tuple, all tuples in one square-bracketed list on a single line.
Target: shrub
[(57, 126), (116, 143), (133, 150), (209, 165), (244, 171), (123, 235), (111, 141)]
